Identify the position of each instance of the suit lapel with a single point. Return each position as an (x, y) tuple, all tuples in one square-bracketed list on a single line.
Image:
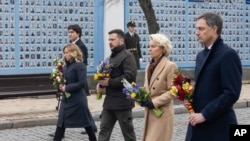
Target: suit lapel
[(203, 61), (78, 42)]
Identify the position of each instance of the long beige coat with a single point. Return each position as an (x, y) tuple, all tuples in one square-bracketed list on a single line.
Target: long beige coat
[(160, 129)]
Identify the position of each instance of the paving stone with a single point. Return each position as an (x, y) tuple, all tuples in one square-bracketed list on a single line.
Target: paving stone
[(40, 133)]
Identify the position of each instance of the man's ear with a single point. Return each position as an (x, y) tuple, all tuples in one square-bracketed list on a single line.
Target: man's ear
[(122, 40), (215, 28)]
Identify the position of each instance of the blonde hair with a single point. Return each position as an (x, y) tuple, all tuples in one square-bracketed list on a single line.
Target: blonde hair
[(162, 41), (75, 52)]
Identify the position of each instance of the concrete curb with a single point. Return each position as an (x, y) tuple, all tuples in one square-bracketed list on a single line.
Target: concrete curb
[(137, 113)]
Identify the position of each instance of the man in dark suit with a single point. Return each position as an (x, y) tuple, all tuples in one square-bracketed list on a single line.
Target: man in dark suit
[(75, 33), (218, 76), (132, 42)]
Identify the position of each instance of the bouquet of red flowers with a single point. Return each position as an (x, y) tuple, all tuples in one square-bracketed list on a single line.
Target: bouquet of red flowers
[(183, 90), (102, 72), (138, 94), (57, 76)]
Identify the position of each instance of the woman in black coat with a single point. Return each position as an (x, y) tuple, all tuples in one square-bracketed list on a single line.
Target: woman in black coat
[(74, 111)]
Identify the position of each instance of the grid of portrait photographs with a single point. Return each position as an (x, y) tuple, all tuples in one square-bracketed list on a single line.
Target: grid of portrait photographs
[(32, 38), (176, 19), (7, 34), (33, 32)]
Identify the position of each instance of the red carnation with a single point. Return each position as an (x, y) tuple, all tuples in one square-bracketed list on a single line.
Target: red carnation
[(60, 67), (178, 79)]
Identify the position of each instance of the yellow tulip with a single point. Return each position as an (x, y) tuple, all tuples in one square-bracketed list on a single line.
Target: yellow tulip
[(173, 90), (133, 95), (185, 86), (99, 74), (96, 77), (190, 87)]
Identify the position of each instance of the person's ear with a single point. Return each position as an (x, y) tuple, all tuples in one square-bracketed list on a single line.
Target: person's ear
[(215, 29)]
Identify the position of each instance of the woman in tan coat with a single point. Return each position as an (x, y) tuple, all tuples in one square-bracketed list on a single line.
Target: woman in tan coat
[(158, 78)]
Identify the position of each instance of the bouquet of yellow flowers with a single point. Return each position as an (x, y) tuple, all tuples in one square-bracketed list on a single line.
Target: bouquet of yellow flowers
[(183, 90), (138, 94), (102, 72), (57, 76)]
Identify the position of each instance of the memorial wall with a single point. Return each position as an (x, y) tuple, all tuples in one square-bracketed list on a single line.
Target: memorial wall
[(33, 32), (176, 19)]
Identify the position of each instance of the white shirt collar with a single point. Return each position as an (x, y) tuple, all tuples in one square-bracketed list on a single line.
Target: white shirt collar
[(131, 33), (75, 41), (209, 47)]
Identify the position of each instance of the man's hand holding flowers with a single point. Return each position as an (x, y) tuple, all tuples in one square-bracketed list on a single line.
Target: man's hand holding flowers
[(183, 90), (102, 75), (104, 82), (196, 118)]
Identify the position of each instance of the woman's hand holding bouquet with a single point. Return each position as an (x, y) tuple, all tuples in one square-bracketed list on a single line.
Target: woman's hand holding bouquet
[(138, 94), (57, 76)]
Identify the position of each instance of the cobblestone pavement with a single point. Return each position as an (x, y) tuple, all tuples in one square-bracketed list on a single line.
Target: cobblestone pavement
[(40, 133)]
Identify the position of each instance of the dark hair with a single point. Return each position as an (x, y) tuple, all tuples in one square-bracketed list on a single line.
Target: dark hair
[(212, 19), (76, 28), (119, 32)]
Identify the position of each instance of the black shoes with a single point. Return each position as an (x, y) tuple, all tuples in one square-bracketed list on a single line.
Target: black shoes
[(53, 135), (84, 132)]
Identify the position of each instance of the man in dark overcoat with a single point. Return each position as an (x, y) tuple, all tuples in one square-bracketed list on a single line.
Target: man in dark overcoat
[(218, 80), (116, 106), (132, 42)]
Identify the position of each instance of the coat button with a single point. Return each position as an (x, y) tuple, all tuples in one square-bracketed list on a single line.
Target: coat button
[(153, 88), (157, 78)]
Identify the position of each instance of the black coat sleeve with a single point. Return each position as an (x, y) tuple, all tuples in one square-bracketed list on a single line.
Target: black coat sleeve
[(84, 50)]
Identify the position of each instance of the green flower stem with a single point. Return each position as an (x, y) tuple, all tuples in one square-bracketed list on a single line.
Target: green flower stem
[(99, 96), (157, 112), (67, 94)]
